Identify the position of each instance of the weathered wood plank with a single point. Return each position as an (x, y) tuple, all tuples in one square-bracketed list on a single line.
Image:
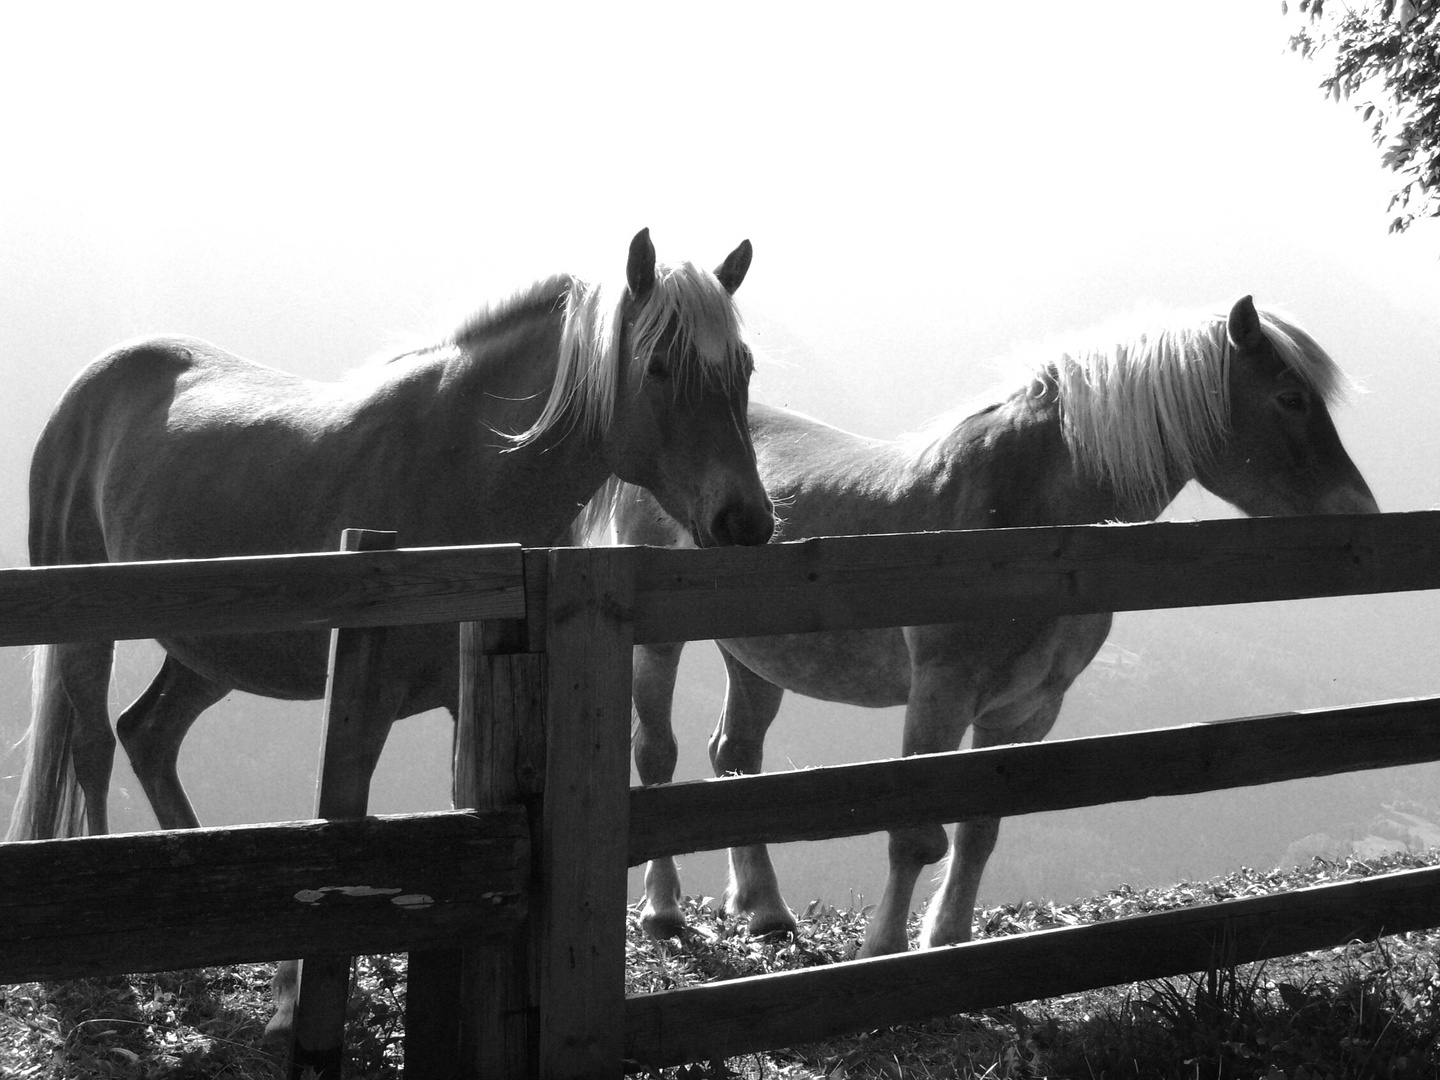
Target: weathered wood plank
[(740, 1016), (272, 592), (846, 582), (433, 978), (581, 908), (108, 905), (849, 800), (499, 761), (358, 700)]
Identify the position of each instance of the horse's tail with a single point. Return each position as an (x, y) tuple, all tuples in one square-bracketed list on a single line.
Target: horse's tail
[(50, 803)]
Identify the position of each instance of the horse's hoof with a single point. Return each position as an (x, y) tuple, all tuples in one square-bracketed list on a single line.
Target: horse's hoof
[(881, 947), (662, 925), (772, 923), (934, 937), (278, 1039)]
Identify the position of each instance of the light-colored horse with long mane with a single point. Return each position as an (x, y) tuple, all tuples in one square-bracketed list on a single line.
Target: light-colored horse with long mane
[(1107, 431), (172, 448)]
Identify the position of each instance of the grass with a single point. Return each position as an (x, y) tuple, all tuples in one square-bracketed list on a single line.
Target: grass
[(1368, 1010)]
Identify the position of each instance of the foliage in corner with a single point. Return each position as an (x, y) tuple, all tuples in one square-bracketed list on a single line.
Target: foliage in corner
[(1384, 56)]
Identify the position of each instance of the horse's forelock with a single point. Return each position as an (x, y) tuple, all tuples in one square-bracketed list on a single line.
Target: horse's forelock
[(587, 370), (1304, 356), (709, 334)]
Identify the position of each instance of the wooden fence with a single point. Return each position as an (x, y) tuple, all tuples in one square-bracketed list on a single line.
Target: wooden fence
[(513, 911)]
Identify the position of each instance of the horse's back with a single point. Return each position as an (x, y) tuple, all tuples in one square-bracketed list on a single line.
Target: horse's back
[(132, 415), (825, 481), (170, 447)]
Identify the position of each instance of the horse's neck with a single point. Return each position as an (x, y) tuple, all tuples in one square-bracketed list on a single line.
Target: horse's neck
[(495, 388), (1008, 466)]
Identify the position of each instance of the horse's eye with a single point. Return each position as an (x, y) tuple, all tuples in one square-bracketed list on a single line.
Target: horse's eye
[(1291, 401), (657, 369)]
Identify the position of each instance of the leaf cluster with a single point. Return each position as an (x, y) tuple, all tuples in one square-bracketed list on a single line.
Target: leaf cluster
[(1384, 57)]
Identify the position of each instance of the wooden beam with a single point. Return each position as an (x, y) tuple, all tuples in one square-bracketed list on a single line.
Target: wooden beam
[(846, 582), (741, 1016), (582, 892), (114, 601), (158, 901), (849, 800), (499, 761), (359, 702)]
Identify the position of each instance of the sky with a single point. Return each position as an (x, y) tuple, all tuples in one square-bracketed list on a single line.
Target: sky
[(314, 186)]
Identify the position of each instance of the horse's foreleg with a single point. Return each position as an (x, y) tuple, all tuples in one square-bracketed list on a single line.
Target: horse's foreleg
[(738, 746), (951, 912), (653, 692), (911, 850), (152, 729), (940, 708)]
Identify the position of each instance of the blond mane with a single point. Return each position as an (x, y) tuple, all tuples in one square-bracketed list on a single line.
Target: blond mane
[(1143, 402), (587, 375)]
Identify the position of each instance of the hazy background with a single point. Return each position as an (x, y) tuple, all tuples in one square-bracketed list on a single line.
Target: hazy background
[(316, 186)]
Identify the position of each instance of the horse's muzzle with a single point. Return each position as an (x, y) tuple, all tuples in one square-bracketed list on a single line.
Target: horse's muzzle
[(739, 524)]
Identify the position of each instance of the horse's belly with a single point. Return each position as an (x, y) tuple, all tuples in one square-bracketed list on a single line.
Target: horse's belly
[(292, 666), (856, 667)]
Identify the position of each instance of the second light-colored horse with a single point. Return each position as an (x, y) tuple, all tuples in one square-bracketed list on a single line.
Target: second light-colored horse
[(1109, 430)]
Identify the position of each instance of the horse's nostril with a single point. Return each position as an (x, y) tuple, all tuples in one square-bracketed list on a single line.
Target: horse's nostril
[(742, 525)]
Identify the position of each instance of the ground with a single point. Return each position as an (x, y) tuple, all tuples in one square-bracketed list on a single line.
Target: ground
[(1371, 1009)]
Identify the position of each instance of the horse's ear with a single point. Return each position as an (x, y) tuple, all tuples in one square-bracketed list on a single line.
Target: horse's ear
[(732, 271), (1243, 325), (640, 269)]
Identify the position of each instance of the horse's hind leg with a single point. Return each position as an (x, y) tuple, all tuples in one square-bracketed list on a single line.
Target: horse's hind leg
[(153, 727), (653, 692), (83, 674), (738, 746)]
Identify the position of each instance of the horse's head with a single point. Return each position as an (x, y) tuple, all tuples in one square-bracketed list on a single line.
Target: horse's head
[(679, 426), (1280, 453)]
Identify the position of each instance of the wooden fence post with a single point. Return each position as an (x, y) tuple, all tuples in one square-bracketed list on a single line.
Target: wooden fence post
[(352, 688), (470, 1011), (580, 921)]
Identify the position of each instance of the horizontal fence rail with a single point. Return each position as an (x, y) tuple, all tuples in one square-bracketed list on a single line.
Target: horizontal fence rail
[(160, 901), (739, 1016), (851, 800), (851, 582), (316, 591), (830, 583)]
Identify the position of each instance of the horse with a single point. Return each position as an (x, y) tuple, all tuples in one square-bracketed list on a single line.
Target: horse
[(1107, 429), (170, 447)]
